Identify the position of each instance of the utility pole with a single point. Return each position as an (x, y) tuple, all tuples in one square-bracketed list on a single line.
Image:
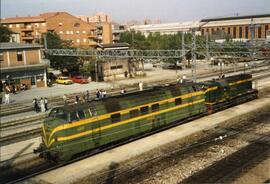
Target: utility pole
[(193, 54), (45, 42), (207, 47), (183, 51), (96, 67), (183, 44)]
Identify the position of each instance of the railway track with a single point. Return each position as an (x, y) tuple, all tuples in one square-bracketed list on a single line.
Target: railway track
[(18, 130), (39, 166), (164, 169), (229, 168), (56, 101)]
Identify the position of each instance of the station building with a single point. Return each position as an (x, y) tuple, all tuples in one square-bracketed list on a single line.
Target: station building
[(110, 69), (239, 28), (23, 64), (68, 27), (165, 28)]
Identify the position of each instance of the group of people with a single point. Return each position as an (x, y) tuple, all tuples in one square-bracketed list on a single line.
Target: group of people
[(8, 90), (100, 94), (41, 105)]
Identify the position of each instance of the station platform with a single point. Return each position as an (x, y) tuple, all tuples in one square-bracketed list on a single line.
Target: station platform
[(86, 171)]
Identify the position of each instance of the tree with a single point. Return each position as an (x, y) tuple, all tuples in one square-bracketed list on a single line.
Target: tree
[(5, 34), (72, 64)]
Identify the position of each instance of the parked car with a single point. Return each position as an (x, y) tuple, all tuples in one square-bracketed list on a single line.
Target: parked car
[(64, 80), (80, 80)]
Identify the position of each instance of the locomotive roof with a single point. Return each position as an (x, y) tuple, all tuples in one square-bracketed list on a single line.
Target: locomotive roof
[(85, 105)]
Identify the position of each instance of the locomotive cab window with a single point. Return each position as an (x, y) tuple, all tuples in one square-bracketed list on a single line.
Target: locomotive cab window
[(144, 110), (115, 117), (81, 114), (134, 113), (155, 107), (74, 116), (178, 101)]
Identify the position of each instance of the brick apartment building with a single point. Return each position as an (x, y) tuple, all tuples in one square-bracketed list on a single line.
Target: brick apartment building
[(67, 26), (23, 64), (238, 27), (103, 26)]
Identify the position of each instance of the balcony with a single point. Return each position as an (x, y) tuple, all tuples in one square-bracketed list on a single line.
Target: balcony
[(91, 35), (27, 37), (27, 28)]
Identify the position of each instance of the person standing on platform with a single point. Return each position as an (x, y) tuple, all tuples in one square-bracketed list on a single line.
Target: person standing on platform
[(77, 99), (97, 94), (104, 93), (87, 96), (42, 105), (35, 103), (65, 99), (140, 86), (7, 91), (46, 104)]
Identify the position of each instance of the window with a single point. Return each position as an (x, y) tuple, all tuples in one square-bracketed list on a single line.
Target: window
[(84, 32), (155, 107), (84, 40), (67, 32), (78, 40), (178, 101), (37, 24), (74, 116), (60, 32), (234, 32), (229, 30), (134, 113), (259, 32), (81, 114), (71, 32), (60, 23), (266, 28), (19, 56), (246, 32), (77, 32), (1, 56), (17, 25), (10, 26), (77, 24), (240, 32), (115, 117), (43, 24), (144, 110), (93, 111), (116, 67), (87, 113)]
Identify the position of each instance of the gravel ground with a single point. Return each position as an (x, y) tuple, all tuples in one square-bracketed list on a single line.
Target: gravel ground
[(176, 169)]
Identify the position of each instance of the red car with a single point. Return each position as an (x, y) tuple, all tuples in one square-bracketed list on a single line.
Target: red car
[(79, 79)]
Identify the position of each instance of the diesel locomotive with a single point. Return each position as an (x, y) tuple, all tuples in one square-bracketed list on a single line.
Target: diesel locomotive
[(72, 129)]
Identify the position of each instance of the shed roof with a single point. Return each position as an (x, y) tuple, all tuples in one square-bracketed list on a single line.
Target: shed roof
[(13, 45)]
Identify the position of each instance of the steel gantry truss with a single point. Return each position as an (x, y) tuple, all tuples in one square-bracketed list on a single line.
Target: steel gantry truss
[(134, 54), (211, 50)]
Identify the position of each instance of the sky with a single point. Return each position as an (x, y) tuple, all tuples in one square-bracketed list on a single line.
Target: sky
[(126, 10)]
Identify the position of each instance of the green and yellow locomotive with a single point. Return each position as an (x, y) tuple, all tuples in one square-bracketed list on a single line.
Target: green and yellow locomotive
[(73, 129)]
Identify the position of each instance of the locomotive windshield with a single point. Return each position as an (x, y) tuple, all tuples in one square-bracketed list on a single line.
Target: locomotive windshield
[(57, 116)]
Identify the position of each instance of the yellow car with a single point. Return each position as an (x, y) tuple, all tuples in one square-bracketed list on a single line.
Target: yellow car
[(64, 80)]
